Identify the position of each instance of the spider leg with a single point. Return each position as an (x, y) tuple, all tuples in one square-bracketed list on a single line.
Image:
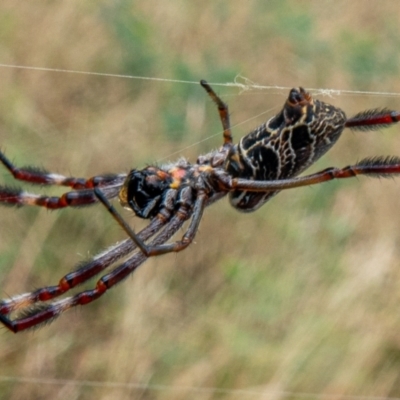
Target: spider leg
[(88, 269), (40, 176), (18, 197), (82, 273), (183, 213), (187, 238), (373, 119), (375, 167), (43, 313), (223, 113), (12, 196)]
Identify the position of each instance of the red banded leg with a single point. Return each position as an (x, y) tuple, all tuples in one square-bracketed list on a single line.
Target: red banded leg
[(82, 273), (373, 119), (89, 269), (42, 177), (42, 313), (82, 195), (11, 196), (18, 197), (380, 167)]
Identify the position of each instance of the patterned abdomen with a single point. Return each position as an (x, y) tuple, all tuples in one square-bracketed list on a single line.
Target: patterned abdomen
[(284, 146)]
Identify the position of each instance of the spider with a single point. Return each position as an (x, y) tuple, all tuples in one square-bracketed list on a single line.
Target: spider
[(264, 162)]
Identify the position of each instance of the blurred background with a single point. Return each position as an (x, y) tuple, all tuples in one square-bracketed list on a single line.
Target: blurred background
[(298, 300)]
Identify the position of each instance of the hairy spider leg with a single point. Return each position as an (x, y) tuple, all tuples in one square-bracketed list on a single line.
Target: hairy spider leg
[(42, 313), (88, 269), (41, 176), (83, 272), (375, 167), (81, 196), (373, 119), (223, 113), (18, 197)]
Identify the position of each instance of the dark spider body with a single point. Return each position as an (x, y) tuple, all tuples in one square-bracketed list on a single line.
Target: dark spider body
[(266, 161)]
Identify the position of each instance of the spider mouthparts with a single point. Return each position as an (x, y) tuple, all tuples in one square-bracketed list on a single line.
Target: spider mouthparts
[(298, 96)]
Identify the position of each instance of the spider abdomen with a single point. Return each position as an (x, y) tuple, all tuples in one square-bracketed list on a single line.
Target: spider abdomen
[(284, 146)]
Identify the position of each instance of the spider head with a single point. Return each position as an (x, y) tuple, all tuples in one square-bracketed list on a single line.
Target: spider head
[(143, 191)]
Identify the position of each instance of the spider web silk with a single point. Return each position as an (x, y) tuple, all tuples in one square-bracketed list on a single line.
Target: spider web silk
[(240, 82)]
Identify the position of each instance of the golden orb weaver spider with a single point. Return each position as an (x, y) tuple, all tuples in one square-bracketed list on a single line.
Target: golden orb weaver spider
[(264, 162)]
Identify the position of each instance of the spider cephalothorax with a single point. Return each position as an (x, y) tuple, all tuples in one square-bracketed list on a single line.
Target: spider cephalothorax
[(143, 190), (265, 161), (151, 189)]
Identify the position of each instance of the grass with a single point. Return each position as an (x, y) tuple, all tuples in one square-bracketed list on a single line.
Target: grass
[(300, 297)]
